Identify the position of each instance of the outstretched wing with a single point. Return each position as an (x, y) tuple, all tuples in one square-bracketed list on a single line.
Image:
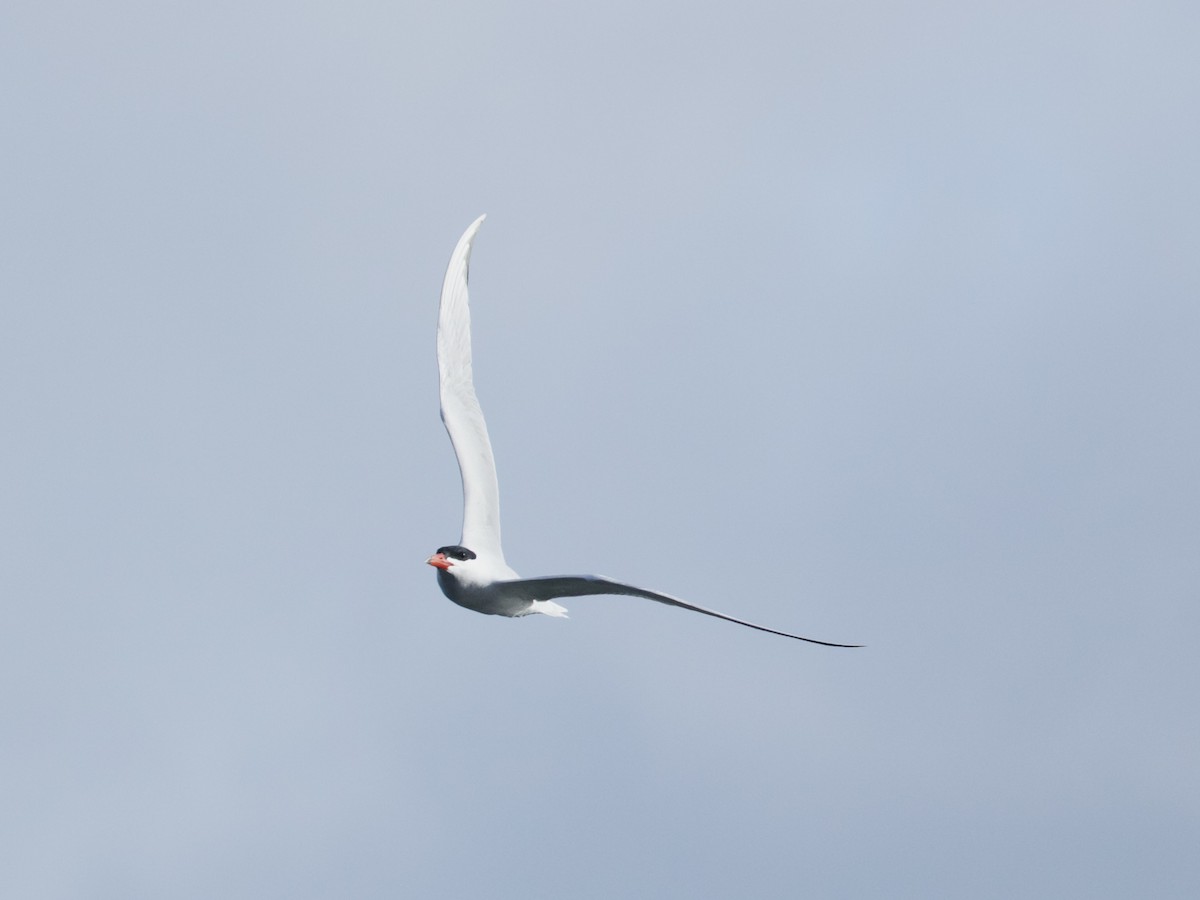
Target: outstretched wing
[(461, 413), (554, 586)]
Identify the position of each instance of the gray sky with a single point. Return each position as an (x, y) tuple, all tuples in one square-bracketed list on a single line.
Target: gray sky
[(875, 322)]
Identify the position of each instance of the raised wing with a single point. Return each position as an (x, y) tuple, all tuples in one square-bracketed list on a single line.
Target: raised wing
[(461, 413), (554, 586)]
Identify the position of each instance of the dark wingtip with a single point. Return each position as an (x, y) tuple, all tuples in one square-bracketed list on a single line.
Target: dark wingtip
[(800, 638)]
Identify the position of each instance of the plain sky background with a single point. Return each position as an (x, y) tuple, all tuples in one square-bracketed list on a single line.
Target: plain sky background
[(877, 322)]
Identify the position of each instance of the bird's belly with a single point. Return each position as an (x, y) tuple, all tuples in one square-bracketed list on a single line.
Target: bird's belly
[(486, 600)]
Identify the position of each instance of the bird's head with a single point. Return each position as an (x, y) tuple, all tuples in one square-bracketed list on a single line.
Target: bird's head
[(460, 568), (451, 557)]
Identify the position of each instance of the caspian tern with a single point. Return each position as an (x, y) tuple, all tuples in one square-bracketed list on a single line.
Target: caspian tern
[(473, 572)]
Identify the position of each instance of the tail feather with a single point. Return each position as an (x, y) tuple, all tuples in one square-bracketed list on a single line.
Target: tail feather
[(548, 608)]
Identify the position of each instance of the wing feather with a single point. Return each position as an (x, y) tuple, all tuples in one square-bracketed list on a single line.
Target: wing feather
[(554, 586), (461, 412)]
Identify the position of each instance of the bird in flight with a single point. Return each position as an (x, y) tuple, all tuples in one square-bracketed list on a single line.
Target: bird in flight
[(473, 572)]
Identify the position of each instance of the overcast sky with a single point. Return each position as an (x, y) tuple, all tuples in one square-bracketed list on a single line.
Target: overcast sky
[(874, 322)]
